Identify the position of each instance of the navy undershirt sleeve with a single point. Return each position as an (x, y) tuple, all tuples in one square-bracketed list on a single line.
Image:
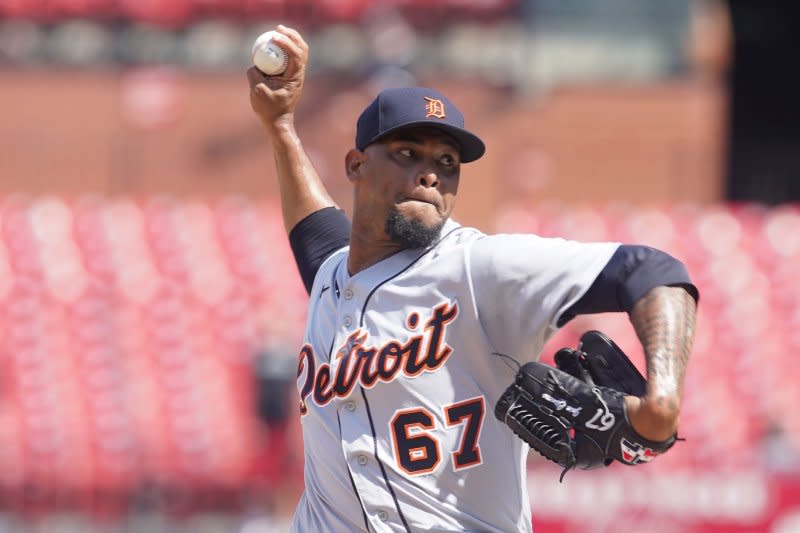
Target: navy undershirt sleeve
[(315, 238), (630, 273)]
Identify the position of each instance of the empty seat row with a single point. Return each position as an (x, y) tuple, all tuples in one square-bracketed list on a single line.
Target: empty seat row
[(176, 13), (129, 330)]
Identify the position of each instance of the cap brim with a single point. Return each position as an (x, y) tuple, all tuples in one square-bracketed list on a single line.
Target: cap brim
[(472, 147)]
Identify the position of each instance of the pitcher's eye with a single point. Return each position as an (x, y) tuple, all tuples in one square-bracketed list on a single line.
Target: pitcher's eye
[(447, 160)]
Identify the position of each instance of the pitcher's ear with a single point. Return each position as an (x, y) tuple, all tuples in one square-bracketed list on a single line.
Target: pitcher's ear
[(353, 162)]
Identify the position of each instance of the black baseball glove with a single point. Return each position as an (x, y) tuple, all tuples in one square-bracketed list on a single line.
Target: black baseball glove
[(575, 414)]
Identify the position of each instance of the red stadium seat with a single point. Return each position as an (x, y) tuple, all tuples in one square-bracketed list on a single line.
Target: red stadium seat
[(263, 9), (28, 9), (209, 9), (341, 10), (428, 14), (60, 9), (166, 13)]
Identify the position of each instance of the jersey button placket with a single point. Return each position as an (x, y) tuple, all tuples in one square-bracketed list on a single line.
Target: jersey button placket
[(354, 426)]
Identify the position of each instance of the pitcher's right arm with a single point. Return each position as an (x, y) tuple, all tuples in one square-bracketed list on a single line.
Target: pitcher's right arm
[(315, 225), (274, 99)]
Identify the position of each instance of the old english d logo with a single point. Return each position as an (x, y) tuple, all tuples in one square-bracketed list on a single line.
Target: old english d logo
[(434, 108)]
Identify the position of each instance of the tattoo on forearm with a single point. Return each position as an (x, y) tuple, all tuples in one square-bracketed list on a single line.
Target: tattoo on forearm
[(664, 320)]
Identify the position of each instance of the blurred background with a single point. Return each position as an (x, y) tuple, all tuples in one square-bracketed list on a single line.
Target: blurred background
[(151, 311)]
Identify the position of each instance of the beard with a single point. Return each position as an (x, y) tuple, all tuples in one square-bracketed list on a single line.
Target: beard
[(411, 233)]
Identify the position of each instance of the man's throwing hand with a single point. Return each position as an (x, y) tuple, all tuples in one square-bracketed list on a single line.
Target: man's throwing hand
[(274, 98)]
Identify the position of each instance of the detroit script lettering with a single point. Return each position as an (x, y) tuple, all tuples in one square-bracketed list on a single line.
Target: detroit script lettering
[(355, 362)]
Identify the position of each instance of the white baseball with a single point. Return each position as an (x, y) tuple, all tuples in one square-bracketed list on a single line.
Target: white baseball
[(270, 58)]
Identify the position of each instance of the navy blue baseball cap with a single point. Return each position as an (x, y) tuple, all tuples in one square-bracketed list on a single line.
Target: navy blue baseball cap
[(399, 108)]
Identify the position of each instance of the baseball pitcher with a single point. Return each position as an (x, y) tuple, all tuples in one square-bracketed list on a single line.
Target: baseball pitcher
[(411, 419)]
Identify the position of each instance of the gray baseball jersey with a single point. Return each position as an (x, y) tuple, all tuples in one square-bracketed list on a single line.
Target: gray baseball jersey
[(398, 380)]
